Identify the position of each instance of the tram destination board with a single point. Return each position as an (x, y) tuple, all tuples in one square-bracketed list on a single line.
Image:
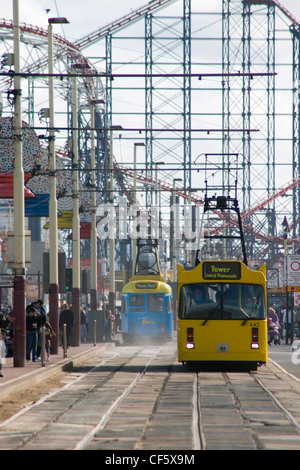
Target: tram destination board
[(145, 285), (221, 270)]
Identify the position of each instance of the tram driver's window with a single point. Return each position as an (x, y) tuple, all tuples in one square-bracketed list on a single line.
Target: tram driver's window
[(155, 303), (136, 300)]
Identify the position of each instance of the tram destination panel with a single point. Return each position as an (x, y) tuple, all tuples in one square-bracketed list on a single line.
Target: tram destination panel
[(221, 270)]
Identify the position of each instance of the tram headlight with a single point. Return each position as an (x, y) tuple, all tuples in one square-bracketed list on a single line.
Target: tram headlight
[(189, 345), (254, 346)]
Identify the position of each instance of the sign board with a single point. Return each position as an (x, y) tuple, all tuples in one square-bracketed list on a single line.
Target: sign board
[(293, 289), (221, 270), (6, 280), (34, 278), (145, 285), (272, 278), (293, 272)]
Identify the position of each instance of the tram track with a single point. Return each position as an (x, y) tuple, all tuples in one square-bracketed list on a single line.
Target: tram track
[(257, 411), (286, 412), (106, 417), (141, 398), (48, 396), (111, 370)]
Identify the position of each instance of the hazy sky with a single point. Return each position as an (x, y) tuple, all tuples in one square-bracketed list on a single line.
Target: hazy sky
[(88, 16)]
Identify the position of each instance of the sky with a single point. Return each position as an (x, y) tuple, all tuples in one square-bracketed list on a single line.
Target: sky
[(88, 16)]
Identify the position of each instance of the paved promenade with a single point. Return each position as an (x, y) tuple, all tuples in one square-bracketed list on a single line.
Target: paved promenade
[(15, 378)]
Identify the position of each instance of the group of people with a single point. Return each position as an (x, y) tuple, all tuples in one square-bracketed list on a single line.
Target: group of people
[(67, 317), (39, 327), (280, 324), (112, 323)]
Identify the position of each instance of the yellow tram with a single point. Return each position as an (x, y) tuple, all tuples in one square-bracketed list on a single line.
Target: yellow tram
[(222, 303), (222, 313)]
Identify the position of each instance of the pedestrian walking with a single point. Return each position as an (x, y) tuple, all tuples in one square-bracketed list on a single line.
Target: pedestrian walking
[(48, 331), (66, 318), (5, 322), (31, 333), (42, 318)]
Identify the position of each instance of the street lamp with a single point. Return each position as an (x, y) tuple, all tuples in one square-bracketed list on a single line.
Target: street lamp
[(19, 226), (94, 258), (112, 292), (53, 225), (174, 267), (59, 20), (134, 247), (75, 220), (156, 211), (156, 180), (287, 299)]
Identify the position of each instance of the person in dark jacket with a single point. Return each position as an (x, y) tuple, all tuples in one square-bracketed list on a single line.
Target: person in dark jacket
[(42, 318), (5, 323), (31, 333), (66, 317)]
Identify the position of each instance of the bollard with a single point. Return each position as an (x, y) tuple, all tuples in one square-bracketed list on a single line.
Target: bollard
[(95, 325), (65, 340), (43, 350)]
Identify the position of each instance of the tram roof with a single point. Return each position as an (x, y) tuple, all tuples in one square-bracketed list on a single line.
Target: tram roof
[(248, 275), (146, 284)]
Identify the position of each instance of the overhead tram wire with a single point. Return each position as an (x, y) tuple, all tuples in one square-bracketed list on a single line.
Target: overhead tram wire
[(139, 129), (11, 73), (125, 169)]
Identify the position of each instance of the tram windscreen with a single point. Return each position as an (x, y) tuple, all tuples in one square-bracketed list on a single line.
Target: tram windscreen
[(155, 302), (136, 300), (220, 301)]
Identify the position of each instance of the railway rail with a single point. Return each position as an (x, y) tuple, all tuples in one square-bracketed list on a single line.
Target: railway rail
[(138, 398)]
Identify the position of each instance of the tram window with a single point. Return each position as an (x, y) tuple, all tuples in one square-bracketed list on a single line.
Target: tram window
[(169, 305), (222, 301), (136, 300), (123, 305), (155, 303)]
